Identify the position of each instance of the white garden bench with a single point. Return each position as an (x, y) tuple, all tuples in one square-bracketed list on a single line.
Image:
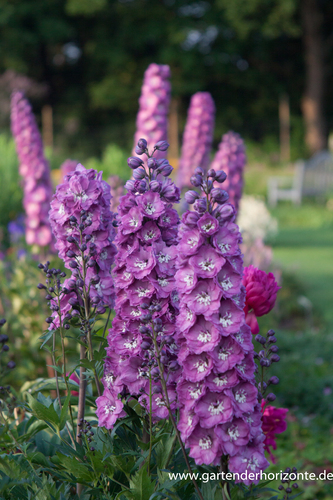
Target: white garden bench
[(311, 178)]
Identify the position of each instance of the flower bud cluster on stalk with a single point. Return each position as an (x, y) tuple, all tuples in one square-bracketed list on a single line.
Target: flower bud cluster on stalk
[(231, 158), (141, 337), (35, 172), (219, 411), (198, 137)]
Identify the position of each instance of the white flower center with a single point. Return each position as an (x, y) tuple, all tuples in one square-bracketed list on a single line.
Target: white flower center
[(134, 222), (207, 265), (109, 409), (195, 393), (207, 227), (142, 292), (141, 264), (224, 353), (233, 432), (188, 279), (192, 242), (226, 284), (61, 210), (220, 381), (205, 443), (240, 396), (203, 298), (189, 315), (163, 257), (150, 209), (163, 282), (252, 463), (135, 313), (159, 402), (127, 276), (104, 255), (109, 379), (216, 408), (204, 336), (131, 345), (149, 235), (201, 366), (224, 247), (226, 320)]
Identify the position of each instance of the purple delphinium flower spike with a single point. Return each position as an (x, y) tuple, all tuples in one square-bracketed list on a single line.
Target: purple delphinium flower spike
[(231, 158), (198, 137), (67, 167), (146, 304), (117, 191), (218, 398), (35, 171), (82, 224), (152, 118)]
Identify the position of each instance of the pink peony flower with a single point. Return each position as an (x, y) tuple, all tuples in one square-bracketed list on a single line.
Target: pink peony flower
[(261, 290), (273, 422)]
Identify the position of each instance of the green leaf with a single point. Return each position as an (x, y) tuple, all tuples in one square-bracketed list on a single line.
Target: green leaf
[(42, 412), (141, 486), (79, 470), (87, 364), (46, 336)]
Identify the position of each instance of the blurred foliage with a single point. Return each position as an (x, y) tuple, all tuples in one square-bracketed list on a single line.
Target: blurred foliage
[(11, 195), (113, 162), (92, 55)]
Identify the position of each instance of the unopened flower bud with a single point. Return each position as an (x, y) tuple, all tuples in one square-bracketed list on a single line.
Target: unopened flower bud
[(139, 174), (155, 186), (220, 176), (272, 339), (11, 365), (219, 195), (40, 286), (270, 397), (273, 380), (191, 196), (200, 205), (274, 348), (265, 362), (73, 264), (101, 310), (199, 171), (259, 338), (152, 163), (134, 162), (130, 185), (161, 146), (275, 358), (196, 180), (49, 320)]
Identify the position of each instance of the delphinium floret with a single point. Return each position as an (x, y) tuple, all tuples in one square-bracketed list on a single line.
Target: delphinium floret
[(198, 137), (34, 170), (231, 158), (220, 417), (154, 101), (141, 337)]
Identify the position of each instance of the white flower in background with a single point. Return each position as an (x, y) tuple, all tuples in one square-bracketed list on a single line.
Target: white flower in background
[(254, 219)]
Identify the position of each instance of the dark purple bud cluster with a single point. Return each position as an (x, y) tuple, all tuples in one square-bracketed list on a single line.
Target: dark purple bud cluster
[(289, 476), (7, 399), (148, 175), (215, 198), (86, 433), (266, 356)]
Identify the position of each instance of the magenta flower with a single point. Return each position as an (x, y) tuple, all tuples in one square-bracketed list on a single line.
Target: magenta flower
[(217, 395), (273, 422), (231, 158), (261, 291), (198, 137), (35, 171), (152, 118)]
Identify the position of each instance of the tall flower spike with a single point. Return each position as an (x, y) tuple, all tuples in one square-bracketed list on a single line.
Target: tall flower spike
[(35, 171), (82, 223), (219, 410), (152, 118), (145, 300), (231, 158), (198, 137), (67, 167)]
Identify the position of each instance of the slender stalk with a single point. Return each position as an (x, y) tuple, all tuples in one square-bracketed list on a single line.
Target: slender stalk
[(167, 402), (82, 399), (105, 327), (55, 371)]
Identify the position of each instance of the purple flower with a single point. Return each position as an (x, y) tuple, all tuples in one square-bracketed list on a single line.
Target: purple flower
[(198, 137), (204, 445), (152, 118), (208, 225), (67, 167), (109, 409), (214, 408), (250, 460), (218, 399), (151, 205), (35, 171), (81, 221), (231, 158), (234, 435)]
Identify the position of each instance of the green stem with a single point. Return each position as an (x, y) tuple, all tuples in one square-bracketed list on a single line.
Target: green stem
[(55, 371)]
